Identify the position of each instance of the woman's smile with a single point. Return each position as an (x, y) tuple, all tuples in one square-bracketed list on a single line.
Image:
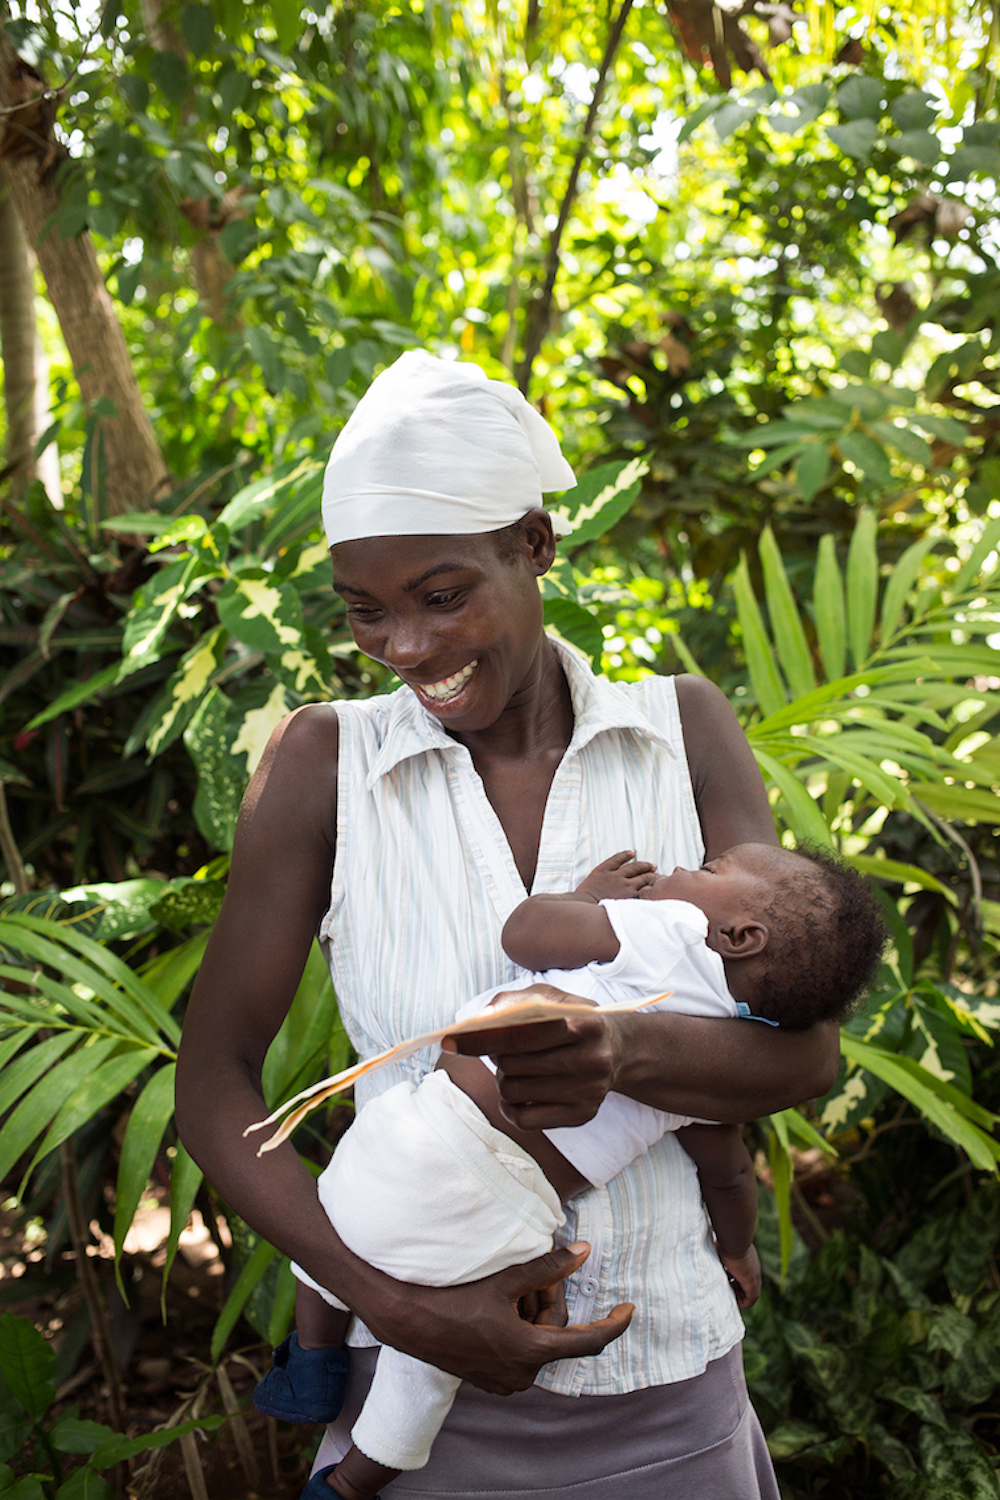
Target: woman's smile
[(449, 688)]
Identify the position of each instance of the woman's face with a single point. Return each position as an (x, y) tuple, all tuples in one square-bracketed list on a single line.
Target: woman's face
[(458, 623)]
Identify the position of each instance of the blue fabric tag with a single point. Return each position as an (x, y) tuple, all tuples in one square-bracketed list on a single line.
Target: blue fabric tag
[(746, 1014)]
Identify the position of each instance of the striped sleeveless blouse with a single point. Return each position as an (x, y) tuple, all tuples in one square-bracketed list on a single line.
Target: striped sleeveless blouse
[(423, 882)]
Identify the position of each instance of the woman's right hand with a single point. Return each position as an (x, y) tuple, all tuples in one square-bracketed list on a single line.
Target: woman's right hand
[(475, 1331)]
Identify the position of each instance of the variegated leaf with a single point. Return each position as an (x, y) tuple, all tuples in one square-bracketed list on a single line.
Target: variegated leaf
[(261, 611), (221, 782)]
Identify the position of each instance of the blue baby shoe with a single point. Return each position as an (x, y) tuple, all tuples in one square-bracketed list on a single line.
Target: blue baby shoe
[(318, 1489), (303, 1385)]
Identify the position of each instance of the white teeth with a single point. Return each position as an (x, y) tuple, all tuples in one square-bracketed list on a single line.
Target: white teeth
[(451, 686)]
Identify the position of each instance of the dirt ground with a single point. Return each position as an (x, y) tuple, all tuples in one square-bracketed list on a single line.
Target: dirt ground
[(164, 1373)]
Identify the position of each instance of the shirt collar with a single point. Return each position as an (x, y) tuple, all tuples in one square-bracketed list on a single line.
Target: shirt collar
[(598, 706)]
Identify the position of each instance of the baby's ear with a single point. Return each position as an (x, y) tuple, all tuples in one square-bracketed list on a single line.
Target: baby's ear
[(739, 939)]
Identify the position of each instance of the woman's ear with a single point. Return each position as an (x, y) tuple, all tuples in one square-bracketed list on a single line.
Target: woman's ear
[(539, 539), (739, 939)]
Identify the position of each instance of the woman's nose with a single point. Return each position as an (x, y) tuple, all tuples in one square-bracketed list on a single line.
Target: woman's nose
[(407, 644)]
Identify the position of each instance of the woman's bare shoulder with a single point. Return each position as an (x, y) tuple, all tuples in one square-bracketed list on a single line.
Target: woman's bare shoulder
[(701, 703), (296, 781)]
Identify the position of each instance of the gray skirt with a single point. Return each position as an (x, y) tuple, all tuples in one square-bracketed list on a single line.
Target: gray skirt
[(695, 1439)]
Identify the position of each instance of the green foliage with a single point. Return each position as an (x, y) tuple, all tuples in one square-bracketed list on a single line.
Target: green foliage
[(881, 1366), (27, 1393)]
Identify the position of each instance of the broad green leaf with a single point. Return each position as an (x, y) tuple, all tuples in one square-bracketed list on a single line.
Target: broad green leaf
[(860, 97), (764, 674), (283, 1306), (72, 1434), (862, 586), (828, 605), (776, 459), (169, 974), (250, 503), (705, 110), (905, 441), (220, 780), (577, 625), (797, 1127), (183, 691), (84, 1484), (974, 1241), (28, 1362), (786, 623), (962, 803), (28, 1488), (149, 1117), (780, 1163), (899, 873), (855, 139), (255, 1267), (946, 428), (80, 692), (867, 455), (152, 614), (955, 1115), (921, 145), (197, 28), (14, 1429), (188, 903), (830, 700), (252, 718), (37, 1109), (806, 818), (104, 1085), (263, 613), (304, 1033), (287, 23), (913, 110), (813, 469), (899, 585), (600, 499), (99, 970), (185, 1179), (19, 1076), (889, 791), (117, 1449), (956, 1465), (123, 905)]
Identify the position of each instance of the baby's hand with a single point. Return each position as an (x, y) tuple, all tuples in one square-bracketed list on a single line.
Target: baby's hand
[(617, 878)]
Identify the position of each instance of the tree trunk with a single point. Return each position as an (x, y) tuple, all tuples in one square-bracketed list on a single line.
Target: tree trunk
[(101, 363), (17, 342)]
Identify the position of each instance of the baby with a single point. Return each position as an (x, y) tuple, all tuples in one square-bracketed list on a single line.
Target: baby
[(761, 933)]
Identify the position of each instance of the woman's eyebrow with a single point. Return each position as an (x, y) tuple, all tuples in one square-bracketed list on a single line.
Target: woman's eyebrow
[(442, 567), (342, 587)]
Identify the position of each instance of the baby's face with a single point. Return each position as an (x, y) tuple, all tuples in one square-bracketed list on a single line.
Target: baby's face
[(737, 882)]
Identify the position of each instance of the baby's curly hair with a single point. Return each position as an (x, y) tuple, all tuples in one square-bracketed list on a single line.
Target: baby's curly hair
[(826, 937)]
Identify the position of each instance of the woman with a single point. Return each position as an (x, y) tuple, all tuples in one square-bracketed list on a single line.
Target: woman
[(403, 831)]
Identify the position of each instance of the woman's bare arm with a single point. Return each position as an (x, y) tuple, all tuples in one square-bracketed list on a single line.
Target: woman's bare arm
[(278, 889)]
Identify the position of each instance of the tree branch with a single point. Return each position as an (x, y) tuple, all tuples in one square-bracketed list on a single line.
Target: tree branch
[(540, 307)]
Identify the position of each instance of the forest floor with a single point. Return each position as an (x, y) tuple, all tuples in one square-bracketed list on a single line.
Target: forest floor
[(164, 1373)]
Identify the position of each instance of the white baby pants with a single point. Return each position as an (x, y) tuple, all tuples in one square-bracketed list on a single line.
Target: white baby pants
[(424, 1188)]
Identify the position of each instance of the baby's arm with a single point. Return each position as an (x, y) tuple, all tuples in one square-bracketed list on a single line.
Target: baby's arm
[(729, 1188), (567, 930)]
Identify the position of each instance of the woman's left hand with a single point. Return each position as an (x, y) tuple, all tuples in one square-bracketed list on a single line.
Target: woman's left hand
[(554, 1073)]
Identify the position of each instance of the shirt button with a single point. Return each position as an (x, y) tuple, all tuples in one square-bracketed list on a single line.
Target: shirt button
[(589, 1287)]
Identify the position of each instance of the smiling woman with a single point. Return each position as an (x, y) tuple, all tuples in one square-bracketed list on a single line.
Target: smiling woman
[(405, 829)]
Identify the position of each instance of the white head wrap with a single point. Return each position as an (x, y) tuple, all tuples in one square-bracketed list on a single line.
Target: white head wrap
[(434, 447)]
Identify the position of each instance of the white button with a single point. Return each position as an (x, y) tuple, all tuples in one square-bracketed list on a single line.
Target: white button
[(589, 1287)]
